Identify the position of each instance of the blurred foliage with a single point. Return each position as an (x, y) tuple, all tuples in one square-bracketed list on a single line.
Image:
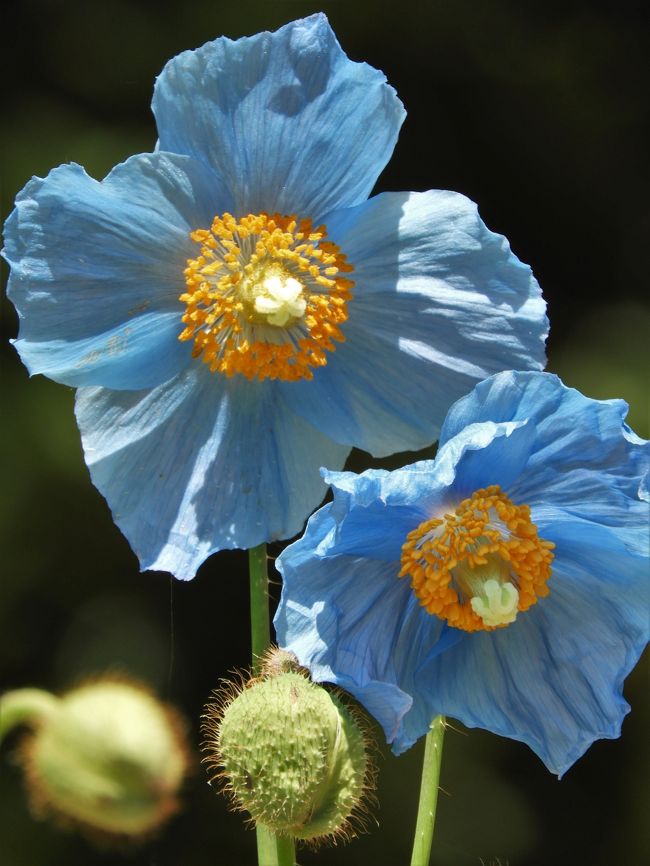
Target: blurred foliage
[(532, 109)]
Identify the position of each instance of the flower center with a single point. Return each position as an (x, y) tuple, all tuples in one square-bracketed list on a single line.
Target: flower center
[(479, 566), (265, 297)]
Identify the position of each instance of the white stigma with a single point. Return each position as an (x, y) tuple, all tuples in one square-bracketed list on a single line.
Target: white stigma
[(280, 300), (497, 603)]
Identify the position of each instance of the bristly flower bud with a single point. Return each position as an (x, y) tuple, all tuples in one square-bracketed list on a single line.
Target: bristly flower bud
[(107, 758), (290, 753)]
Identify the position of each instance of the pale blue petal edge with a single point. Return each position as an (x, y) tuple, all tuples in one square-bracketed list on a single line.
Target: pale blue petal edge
[(353, 622), (200, 464), (554, 678), (584, 458), (285, 118), (439, 303), (97, 268)]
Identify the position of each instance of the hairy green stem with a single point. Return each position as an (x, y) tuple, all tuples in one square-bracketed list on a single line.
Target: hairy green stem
[(272, 850), (428, 794)]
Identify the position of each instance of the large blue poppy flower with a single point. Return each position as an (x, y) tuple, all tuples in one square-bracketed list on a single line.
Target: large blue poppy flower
[(504, 584), (235, 313)]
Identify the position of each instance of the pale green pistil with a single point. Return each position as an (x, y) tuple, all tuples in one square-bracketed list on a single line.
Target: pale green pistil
[(280, 299), (491, 592), (497, 604)]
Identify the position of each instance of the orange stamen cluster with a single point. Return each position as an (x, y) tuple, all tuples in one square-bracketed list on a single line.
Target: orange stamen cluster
[(486, 524), (223, 282)]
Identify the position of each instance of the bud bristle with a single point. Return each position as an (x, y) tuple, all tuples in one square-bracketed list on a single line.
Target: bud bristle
[(290, 753), (109, 762)]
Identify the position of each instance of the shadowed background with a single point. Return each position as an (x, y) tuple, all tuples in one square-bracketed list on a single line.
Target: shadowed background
[(534, 110)]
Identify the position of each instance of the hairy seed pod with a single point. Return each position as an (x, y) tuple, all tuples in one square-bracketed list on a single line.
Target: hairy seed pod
[(109, 758), (291, 754)]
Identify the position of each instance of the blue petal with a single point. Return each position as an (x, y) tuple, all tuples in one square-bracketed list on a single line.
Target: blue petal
[(97, 268), (554, 678), (439, 303), (372, 513), (140, 353), (286, 119), (353, 622), (583, 458), (484, 454), (202, 463)]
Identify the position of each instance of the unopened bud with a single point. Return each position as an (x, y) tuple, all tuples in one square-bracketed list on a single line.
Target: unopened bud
[(290, 753), (106, 757)]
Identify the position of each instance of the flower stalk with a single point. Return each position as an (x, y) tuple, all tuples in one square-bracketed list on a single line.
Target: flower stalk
[(286, 851), (426, 819), (259, 596), (25, 706), (272, 850)]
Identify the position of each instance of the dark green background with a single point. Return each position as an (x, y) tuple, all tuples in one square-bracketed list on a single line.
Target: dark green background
[(534, 110)]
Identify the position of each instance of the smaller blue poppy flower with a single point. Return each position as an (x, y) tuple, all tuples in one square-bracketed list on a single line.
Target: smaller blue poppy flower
[(504, 584)]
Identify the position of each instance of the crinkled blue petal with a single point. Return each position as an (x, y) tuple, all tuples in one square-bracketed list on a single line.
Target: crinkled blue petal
[(373, 512), (97, 268), (353, 622), (583, 458), (554, 678), (439, 303), (484, 454), (285, 118), (202, 463), (137, 354)]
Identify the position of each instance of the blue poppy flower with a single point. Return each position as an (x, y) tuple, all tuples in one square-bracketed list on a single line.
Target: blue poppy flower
[(236, 313), (504, 584)]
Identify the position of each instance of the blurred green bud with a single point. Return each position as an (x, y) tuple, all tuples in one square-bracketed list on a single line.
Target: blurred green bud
[(290, 753), (107, 757)]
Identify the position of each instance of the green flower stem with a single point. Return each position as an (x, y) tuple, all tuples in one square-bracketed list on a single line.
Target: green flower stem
[(25, 706), (267, 846), (428, 794), (272, 850), (259, 589), (286, 851)]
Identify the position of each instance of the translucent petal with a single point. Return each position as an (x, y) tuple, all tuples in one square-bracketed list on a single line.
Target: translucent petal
[(97, 268), (286, 119), (353, 622), (202, 463), (554, 678), (439, 303), (583, 457)]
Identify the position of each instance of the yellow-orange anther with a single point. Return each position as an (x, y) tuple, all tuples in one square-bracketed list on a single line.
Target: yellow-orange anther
[(265, 297), (486, 538)]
